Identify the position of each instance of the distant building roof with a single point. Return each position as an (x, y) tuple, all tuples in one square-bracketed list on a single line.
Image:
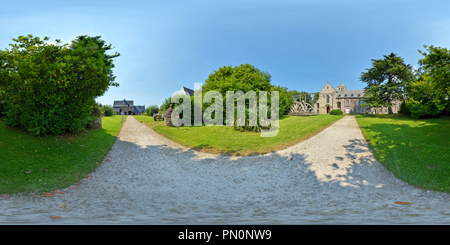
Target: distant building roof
[(123, 103), (187, 91), (139, 108), (351, 93)]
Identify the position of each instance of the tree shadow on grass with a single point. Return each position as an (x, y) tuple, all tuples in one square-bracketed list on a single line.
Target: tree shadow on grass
[(416, 152), (32, 164)]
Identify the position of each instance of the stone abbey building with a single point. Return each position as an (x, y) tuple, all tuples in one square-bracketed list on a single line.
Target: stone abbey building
[(348, 101)]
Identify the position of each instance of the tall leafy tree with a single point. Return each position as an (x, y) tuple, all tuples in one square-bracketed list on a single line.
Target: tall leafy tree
[(286, 99), (244, 78), (429, 94), (386, 80), (51, 88)]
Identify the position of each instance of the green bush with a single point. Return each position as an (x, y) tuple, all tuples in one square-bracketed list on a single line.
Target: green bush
[(108, 110), (50, 88), (1, 109), (108, 113), (242, 78), (336, 112), (245, 78), (153, 109)]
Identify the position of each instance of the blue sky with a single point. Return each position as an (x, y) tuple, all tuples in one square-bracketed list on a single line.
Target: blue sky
[(166, 44)]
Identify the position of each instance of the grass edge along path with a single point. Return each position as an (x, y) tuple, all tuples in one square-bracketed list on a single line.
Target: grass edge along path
[(32, 165), (414, 150), (224, 140)]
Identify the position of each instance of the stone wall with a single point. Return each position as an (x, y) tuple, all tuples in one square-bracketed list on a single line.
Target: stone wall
[(96, 124), (168, 117)]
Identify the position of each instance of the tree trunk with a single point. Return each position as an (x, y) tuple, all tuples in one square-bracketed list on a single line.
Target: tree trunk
[(390, 110)]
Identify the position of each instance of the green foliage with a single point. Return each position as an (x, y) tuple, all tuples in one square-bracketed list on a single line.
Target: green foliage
[(428, 95), (103, 110), (108, 110), (153, 109), (97, 111), (245, 78), (286, 99), (285, 107), (300, 96), (2, 107), (34, 164), (336, 112), (316, 97), (51, 88), (386, 80), (239, 78), (165, 104), (242, 78), (414, 150)]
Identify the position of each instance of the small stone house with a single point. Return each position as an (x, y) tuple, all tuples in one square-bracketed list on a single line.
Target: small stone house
[(139, 110), (127, 107)]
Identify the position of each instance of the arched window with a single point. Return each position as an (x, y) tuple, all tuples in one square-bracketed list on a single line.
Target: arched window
[(328, 98)]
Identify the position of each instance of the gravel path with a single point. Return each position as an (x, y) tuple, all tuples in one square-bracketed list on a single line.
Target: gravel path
[(331, 178)]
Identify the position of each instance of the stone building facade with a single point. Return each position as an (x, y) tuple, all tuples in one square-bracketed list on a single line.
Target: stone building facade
[(127, 107), (348, 101)]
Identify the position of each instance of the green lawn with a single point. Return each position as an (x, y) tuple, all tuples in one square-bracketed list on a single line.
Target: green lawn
[(36, 164), (414, 150), (225, 140)]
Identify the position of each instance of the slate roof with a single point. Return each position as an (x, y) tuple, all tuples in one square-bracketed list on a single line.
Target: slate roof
[(351, 94), (139, 108), (188, 91), (123, 102)]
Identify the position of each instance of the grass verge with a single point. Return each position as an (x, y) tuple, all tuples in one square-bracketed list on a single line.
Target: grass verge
[(32, 164), (226, 141), (414, 150)]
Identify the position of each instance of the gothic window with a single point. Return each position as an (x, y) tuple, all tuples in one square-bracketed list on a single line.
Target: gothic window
[(328, 98)]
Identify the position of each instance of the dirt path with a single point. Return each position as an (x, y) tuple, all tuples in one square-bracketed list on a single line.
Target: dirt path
[(331, 178)]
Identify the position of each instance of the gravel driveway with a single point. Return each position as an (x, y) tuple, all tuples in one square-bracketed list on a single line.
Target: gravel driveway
[(331, 178)]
